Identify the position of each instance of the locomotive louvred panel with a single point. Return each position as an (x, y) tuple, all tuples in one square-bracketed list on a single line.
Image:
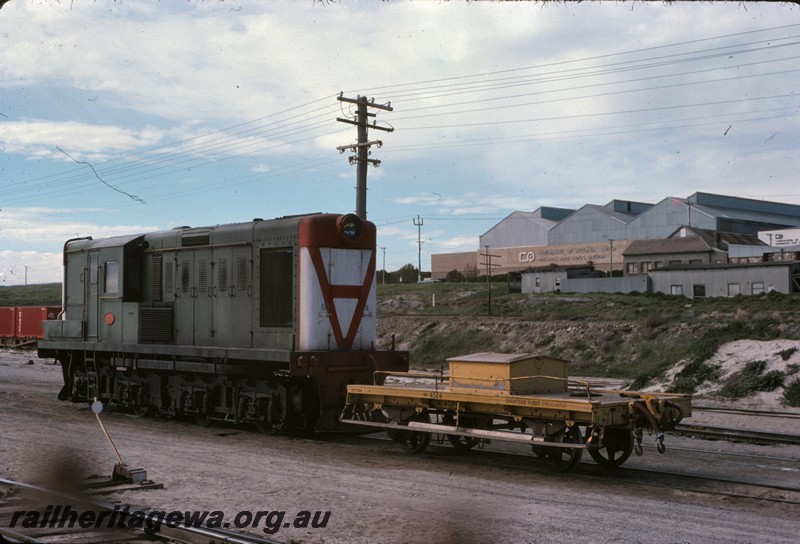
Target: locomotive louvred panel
[(155, 325), (337, 286)]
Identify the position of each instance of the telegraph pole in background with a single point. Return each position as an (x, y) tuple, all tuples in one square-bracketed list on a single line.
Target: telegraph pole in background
[(361, 149), (384, 264), (418, 222), (488, 256)]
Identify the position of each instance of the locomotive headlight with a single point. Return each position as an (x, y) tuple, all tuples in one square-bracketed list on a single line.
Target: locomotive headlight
[(350, 227)]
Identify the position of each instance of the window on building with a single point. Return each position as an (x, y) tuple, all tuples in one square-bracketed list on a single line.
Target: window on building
[(757, 288), (645, 267), (676, 261), (733, 289), (111, 277), (676, 289), (538, 281), (632, 268), (698, 291), (658, 264)]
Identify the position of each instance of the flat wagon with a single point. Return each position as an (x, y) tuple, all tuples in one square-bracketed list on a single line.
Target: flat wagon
[(520, 398)]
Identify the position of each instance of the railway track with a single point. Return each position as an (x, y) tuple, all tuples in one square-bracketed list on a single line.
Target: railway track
[(736, 435), (787, 414), (701, 477), (32, 514)]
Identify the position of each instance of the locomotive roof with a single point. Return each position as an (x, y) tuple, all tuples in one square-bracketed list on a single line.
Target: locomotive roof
[(284, 228)]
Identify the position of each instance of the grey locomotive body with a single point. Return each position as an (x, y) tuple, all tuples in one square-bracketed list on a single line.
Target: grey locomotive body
[(263, 322)]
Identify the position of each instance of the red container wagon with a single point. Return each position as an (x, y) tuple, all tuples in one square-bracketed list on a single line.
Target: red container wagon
[(8, 325), (29, 321)]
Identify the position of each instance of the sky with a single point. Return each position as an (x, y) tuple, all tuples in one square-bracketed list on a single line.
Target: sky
[(128, 117)]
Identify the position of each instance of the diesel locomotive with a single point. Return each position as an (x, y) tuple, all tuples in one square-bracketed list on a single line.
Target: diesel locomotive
[(264, 322)]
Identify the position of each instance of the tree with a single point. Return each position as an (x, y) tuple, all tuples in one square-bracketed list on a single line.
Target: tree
[(407, 274)]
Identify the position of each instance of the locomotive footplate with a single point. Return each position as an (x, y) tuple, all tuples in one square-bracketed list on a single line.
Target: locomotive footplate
[(484, 397)]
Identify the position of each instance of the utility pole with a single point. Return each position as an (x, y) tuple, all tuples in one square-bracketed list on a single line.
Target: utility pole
[(418, 222), (361, 149), (488, 262), (384, 264), (611, 258)]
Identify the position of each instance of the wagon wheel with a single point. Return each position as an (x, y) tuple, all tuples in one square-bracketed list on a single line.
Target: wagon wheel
[(202, 419), (561, 459), (414, 441), (142, 410), (615, 448), (265, 427), (463, 443)]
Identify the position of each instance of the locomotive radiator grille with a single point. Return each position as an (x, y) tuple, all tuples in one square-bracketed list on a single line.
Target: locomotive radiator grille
[(155, 325)]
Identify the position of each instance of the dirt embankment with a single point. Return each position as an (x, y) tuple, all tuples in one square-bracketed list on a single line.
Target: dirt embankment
[(651, 349)]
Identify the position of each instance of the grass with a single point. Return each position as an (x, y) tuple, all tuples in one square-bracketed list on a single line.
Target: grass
[(432, 349), (45, 294)]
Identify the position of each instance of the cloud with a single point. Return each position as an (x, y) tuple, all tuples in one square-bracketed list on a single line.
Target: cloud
[(35, 226), (19, 267), (83, 141)]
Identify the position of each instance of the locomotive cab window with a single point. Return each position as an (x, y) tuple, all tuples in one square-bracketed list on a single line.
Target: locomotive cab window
[(276, 286), (111, 277), (94, 265)]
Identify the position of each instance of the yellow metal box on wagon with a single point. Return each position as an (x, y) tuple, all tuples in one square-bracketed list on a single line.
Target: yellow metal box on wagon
[(516, 374)]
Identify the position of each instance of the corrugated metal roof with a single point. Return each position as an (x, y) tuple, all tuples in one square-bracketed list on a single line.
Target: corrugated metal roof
[(693, 244)]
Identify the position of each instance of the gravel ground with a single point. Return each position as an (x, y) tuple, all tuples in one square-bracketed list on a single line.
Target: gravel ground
[(376, 493)]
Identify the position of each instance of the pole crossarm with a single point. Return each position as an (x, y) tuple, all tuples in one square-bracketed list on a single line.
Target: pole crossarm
[(362, 148)]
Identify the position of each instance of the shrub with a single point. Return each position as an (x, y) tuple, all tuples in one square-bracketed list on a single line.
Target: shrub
[(692, 375), (786, 354), (751, 379), (546, 341), (791, 395)]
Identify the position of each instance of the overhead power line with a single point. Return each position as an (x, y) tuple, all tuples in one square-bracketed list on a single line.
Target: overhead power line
[(488, 92)]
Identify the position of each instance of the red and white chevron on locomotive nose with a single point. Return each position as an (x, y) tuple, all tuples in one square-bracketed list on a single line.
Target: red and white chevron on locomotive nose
[(337, 296)]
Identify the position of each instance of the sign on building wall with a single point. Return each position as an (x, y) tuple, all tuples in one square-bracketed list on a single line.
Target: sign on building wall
[(600, 254), (780, 238)]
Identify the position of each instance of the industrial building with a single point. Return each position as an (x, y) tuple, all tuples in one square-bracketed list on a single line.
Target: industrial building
[(632, 238)]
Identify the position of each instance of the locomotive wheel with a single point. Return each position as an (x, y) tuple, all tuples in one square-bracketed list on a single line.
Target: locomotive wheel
[(414, 441), (615, 448), (561, 459)]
